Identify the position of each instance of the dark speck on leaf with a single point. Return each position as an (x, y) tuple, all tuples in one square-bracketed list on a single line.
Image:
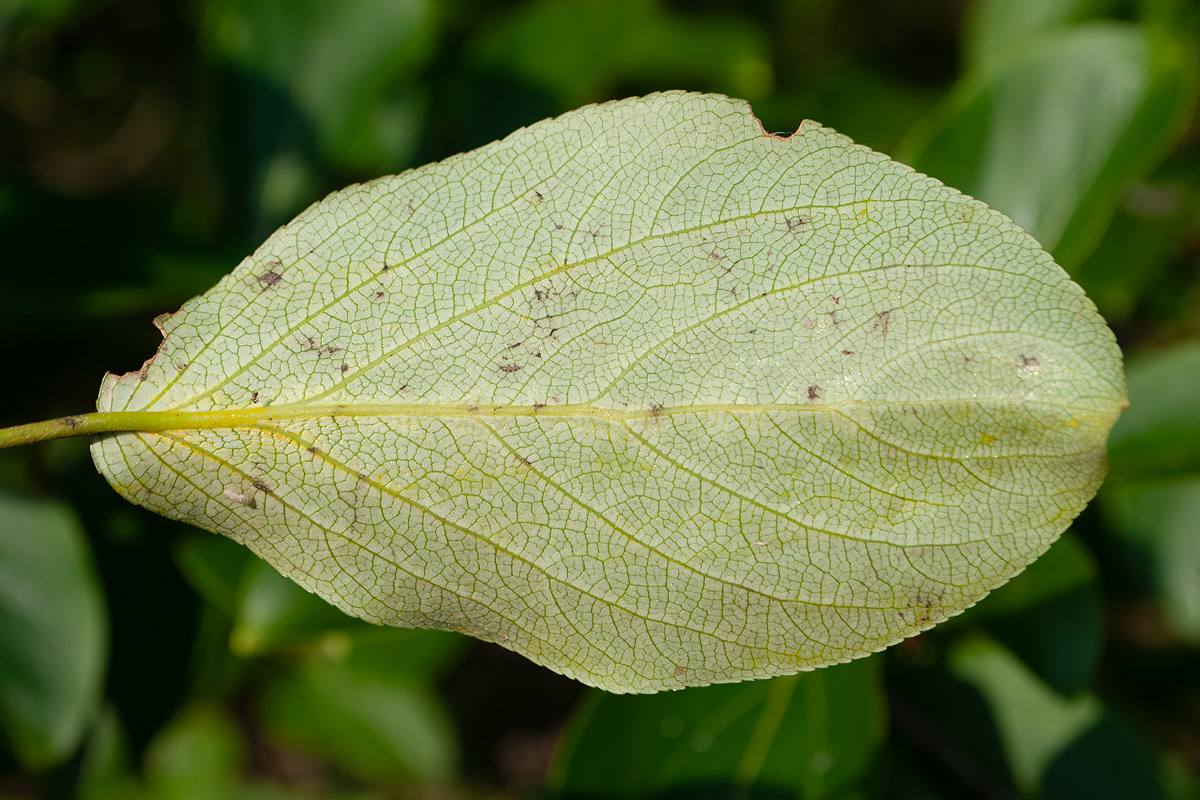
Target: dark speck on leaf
[(268, 280), (794, 224), (510, 367), (814, 393), (345, 368)]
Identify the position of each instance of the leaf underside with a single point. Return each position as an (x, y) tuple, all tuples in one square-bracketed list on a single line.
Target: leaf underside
[(643, 393)]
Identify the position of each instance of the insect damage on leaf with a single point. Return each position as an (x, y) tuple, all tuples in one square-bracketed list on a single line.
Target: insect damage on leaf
[(641, 392)]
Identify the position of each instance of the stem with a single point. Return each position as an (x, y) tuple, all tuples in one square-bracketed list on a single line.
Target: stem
[(61, 428), (116, 422)]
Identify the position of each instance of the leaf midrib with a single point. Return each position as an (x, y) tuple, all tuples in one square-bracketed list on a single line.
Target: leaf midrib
[(152, 421)]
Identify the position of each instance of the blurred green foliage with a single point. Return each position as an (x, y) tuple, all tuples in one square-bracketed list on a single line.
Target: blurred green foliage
[(147, 145)]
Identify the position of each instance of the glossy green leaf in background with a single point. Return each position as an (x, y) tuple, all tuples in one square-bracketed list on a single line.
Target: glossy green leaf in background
[(1058, 746), (579, 49), (813, 736), (372, 710), (1053, 130), (1051, 615), (643, 393), (53, 631), (1153, 500), (348, 66)]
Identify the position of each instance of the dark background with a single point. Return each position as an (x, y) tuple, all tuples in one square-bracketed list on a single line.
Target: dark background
[(147, 145)]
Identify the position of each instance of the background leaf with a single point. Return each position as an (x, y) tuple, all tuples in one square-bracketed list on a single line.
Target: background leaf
[(53, 631), (1052, 133), (812, 735)]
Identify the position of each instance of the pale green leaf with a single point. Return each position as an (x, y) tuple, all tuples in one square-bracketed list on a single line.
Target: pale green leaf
[(643, 393)]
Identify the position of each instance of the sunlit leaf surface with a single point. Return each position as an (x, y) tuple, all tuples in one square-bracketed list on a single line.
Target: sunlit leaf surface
[(643, 393)]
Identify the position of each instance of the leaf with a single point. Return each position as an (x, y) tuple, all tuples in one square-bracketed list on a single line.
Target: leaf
[(273, 613), (1158, 519), (577, 50), (809, 736), (349, 67), (1051, 616), (373, 712), (995, 28), (1035, 722), (53, 631), (1154, 498), (1054, 133), (1161, 438), (643, 393), (1058, 747)]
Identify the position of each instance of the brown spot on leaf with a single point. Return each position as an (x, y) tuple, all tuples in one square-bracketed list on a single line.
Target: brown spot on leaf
[(794, 224), (882, 323), (269, 279), (509, 367), (814, 393)]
